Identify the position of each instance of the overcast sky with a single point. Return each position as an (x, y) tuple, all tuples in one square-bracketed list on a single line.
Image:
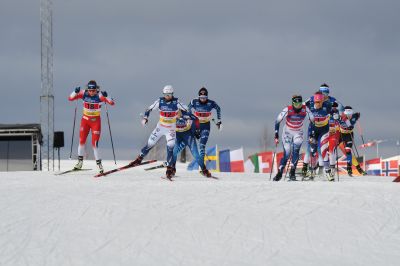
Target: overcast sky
[(251, 55)]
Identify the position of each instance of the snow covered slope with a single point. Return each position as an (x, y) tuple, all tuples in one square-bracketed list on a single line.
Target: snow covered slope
[(136, 218)]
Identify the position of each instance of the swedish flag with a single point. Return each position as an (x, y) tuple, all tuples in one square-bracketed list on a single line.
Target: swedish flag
[(211, 159)]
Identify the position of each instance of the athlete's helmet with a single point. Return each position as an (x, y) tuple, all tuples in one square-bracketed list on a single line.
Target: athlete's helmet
[(203, 92), (92, 85), (348, 111), (168, 89), (324, 88), (318, 97)]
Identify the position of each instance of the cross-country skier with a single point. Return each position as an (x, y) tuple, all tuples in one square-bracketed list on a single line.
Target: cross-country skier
[(334, 136), (92, 99), (202, 108), (334, 143), (346, 123), (319, 131), (168, 107), (187, 130), (336, 106), (292, 135)]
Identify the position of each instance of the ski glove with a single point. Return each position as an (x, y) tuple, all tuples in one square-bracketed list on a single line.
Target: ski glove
[(77, 89), (335, 116), (219, 125), (104, 93), (144, 121), (197, 133), (312, 140), (276, 138)]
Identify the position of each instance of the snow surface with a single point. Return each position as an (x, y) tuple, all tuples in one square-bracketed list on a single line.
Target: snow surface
[(136, 218)]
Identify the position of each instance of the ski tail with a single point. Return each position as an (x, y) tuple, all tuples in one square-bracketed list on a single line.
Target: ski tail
[(130, 165), (72, 170)]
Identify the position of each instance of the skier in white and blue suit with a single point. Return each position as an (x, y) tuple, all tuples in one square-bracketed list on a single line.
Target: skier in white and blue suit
[(187, 130), (292, 135), (202, 108)]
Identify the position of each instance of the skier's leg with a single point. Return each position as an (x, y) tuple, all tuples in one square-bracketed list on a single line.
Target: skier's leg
[(179, 146), (297, 142), (191, 142), (171, 138), (205, 133), (96, 131), (83, 133), (157, 133)]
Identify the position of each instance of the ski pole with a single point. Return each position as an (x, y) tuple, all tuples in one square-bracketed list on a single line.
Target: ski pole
[(109, 127), (361, 133), (290, 158), (337, 162), (273, 159), (73, 130), (354, 145)]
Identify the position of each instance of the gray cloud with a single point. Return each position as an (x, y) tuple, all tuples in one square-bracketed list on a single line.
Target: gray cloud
[(251, 55)]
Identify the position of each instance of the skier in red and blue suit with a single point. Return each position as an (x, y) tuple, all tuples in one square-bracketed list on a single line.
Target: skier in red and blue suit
[(318, 132), (92, 99), (336, 107), (201, 108), (187, 131)]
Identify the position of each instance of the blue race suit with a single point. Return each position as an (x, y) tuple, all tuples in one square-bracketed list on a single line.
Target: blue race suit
[(203, 112), (185, 136)]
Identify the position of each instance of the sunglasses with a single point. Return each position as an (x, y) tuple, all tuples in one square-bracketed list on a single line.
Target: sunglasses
[(168, 94), (297, 104)]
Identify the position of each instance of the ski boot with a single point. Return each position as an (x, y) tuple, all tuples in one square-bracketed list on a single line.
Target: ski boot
[(328, 175), (360, 170), (333, 171), (169, 172), (173, 170), (205, 172), (78, 165), (320, 170), (278, 176), (101, 169), (304, 170), (137, 161), (349, 170), (292, 174)]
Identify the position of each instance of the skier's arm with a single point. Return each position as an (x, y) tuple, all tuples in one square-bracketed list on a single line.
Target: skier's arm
[(151, 108), (76, 94), (308, 102), (103, 95), (218, 109), (190, 106), (183, 107), (310, 115), (279, 119)]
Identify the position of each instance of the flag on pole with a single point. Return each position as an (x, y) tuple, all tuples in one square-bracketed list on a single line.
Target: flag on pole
[(231, 161), (373, 166), (390, 168)]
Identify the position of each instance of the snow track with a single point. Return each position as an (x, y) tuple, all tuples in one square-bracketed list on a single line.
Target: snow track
[(136, 218)]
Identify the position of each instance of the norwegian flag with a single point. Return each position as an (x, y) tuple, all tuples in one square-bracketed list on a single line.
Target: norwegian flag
[(390, 168)]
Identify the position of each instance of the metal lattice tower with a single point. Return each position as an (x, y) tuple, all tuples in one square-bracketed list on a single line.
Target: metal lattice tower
[(47, 97)]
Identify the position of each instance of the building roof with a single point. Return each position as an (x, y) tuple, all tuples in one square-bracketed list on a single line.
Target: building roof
[(20, 126)]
